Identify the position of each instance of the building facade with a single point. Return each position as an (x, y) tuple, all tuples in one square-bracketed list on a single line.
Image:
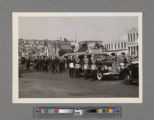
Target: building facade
[(42, 47), (133, 41), (56, 45), (127, 44), (119, 46), (31, 47)]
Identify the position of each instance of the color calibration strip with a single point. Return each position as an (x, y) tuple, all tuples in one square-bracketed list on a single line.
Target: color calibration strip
[(54, 111), (103, 112)]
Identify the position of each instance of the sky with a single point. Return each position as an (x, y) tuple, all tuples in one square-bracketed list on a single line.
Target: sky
[(80, 28)]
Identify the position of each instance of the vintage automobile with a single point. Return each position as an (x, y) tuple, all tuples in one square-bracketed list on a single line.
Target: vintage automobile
[(106, 66), (130, 73)]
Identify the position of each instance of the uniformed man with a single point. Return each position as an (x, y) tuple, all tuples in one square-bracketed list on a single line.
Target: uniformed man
[(34, 63), (37, 65), (45, 64), (41, 63), (77, 66), (53, 64), (49, 63), (56, 64), (20, 67), (86, 66), (64, 63), (71, 66), (93, 67), (23, 61), (28, 61), (60, 64), (124, 59)]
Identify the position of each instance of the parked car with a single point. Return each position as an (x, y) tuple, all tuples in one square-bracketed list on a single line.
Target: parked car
[(130, 73), (107, 67)]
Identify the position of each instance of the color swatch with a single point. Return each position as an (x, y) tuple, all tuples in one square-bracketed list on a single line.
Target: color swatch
[(49, 111), (106, 110)]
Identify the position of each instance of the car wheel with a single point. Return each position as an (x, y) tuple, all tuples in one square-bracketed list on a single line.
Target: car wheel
[(99, 75)]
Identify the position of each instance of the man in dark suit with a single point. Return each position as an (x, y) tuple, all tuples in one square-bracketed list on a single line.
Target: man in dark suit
[(86, 66), (45, 64), (71, 63), (77, 66), (93, 67)]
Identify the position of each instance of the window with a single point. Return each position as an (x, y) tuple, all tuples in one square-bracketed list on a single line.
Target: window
[(128, 37), (122, 45), (134, 37), (118, 45), (131, 38), (129, 50), (134, 51)]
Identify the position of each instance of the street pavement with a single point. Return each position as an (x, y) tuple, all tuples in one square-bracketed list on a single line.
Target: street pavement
[(60, 85)]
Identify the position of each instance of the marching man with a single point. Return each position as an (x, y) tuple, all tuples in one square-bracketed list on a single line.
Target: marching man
[(77, 66), (86, 66), (93, 67), (71, 66)]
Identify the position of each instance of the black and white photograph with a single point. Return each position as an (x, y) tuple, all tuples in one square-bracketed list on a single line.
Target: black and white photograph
[(77, 57)]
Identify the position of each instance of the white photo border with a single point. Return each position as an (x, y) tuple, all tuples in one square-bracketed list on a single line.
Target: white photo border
[(15, 78)]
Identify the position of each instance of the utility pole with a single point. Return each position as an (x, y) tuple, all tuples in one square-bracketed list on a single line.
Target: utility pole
[(47, 46), (75, 36), (55, 48)]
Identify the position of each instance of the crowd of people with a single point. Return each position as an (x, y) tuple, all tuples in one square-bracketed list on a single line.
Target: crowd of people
[(74, 64), (86, 65), (43, 63)]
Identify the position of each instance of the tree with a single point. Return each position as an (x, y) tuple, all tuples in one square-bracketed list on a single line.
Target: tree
[(62, 52), (97, 45), (83, 47), (73, 47)]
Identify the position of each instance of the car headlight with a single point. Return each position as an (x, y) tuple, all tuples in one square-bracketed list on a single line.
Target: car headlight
[(110, 68)]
